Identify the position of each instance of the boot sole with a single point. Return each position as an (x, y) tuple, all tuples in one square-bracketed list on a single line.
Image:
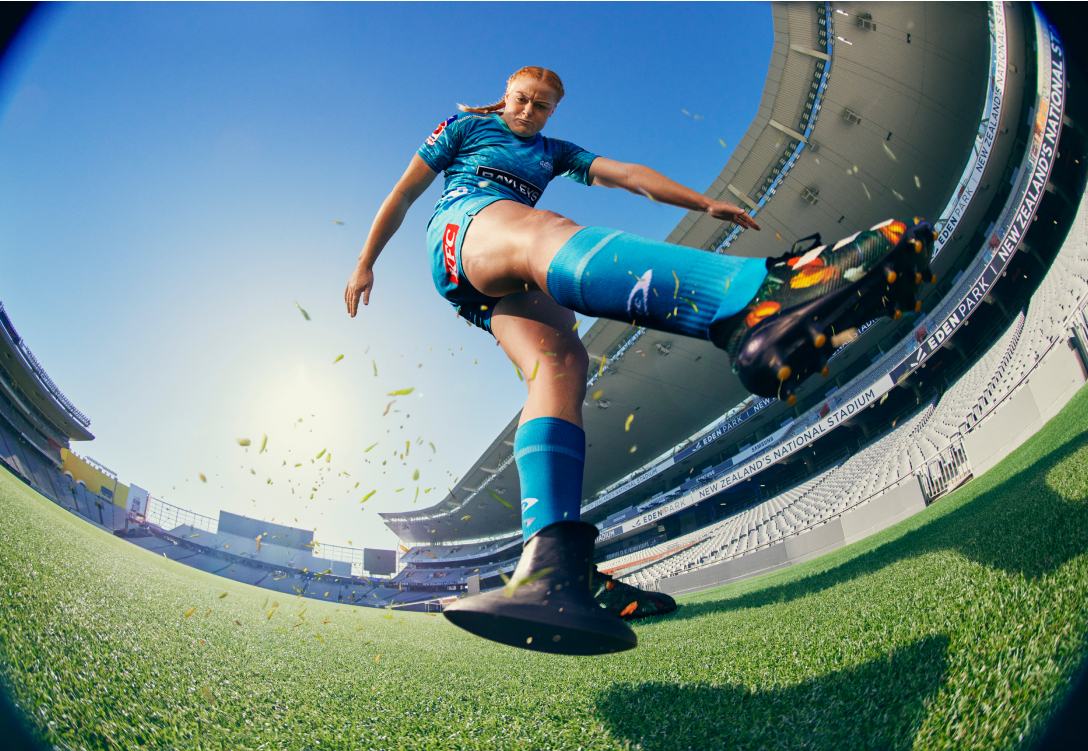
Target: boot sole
[(780, 352), (542, 629)]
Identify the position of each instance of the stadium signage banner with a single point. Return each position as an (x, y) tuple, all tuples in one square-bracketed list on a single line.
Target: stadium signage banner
[(702, 443), (1018, 217), (829, 422), (969, 183)]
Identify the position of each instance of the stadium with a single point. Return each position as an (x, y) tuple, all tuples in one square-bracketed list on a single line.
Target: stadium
[(898, 559)]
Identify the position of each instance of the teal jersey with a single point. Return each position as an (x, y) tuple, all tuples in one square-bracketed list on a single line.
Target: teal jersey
[(479, 154)]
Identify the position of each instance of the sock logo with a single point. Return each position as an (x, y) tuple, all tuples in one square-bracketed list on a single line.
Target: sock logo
[(449, 251), (527, 503), (638, 302)]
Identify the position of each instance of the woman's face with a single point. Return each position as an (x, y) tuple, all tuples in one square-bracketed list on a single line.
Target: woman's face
[(529, 104)]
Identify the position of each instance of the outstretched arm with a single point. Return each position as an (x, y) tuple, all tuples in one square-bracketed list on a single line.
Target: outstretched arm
[(655, 186), (415, 180)]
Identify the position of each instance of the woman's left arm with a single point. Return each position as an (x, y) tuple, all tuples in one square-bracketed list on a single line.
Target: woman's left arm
[(647, 182)]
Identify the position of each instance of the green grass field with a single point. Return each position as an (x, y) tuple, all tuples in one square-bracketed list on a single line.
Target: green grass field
[(962, 626)]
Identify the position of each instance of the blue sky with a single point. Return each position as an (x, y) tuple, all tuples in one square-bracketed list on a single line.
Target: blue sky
[(170, 175)]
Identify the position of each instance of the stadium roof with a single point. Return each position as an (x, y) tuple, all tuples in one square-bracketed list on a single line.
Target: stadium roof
[(28, 386), (892, 133)]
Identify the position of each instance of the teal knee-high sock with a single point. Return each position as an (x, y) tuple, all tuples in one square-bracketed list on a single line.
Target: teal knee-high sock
[(550, 454), (606, 273)]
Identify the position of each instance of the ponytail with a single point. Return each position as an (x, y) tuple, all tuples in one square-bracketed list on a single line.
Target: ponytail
[(550, 77)]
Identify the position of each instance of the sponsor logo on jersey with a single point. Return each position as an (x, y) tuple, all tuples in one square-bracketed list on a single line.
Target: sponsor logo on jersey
[(449, 251), (511, 181), (545, 164), (438, 131), (638, 302)]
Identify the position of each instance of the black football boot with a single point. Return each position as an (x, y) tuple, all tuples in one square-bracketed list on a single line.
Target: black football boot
[(814, 300), (547, 606)]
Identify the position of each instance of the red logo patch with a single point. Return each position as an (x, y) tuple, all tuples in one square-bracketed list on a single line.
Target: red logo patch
[(449, 250), (438, 131)]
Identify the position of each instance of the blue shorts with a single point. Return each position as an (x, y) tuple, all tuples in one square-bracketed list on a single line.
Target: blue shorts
[(445, 235)]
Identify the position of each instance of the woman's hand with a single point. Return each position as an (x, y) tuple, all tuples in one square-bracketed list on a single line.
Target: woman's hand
[(729, 212), (360, 283)]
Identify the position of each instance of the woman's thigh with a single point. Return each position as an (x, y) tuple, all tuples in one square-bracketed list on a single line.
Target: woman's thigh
[(538, 336), (509, 245)]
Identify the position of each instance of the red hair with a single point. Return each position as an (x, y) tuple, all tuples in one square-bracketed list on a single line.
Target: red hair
[(549, 77)]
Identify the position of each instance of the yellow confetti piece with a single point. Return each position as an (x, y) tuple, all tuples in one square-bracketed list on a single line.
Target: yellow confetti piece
[(328, 458), (379, 655), (320, 454), (576, 325), (500, 499), (223, 595), (372, 446), (283, 630), (304, 313), (196, 535), (511, 588), (676, 292), (208, 695), (779, 237), (633, 449), (243, 441), (264, 604), (319, 635), (190, 611), (535, 368), (559, 375), (401, 392), (466, 517), (338, 359), (336, 222), (415, 475), (387, 406), (375, 362), (432, 447), (518, 371), (598, 394), (367, 496), (627, 425), (264, 443), (202, 477), (299, 464), (404, 548), (356, 485), (722, 143), (209, 612), (417, 496), (549, 354), (270, 612)]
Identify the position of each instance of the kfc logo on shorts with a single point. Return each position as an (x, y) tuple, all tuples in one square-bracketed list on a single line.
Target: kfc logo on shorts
[(449, 250), (438, 131)]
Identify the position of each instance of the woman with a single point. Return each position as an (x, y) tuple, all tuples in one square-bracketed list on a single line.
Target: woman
[(519, 272)]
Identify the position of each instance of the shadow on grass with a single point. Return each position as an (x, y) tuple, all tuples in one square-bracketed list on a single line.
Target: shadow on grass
[(879, 704), (1020, 526)]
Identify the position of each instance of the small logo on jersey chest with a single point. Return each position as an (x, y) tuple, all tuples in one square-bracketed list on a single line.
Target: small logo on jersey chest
[(524, 188), (449, 251), (438, 131), (545, 164)]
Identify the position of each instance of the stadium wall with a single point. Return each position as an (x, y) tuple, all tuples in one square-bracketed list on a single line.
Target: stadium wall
[(1051, 385), (871, 517), (93, 479)]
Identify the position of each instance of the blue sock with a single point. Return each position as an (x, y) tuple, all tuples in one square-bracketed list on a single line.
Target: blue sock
[(550, 454), (606, 273)]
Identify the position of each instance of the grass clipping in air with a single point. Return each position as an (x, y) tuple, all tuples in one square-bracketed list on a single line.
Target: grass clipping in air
[(964, 625)]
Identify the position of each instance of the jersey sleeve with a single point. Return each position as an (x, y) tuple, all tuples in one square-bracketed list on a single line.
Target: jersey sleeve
[(573, 161), (440, 148)]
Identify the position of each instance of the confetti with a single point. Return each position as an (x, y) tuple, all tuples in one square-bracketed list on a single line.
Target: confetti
[(338, 359), (432, 447), (387, 406), (300, 464), (549, 354), (379, 655), (598, 394), (320, 454), (722, 143), (196, 535), (633, 449), (778, 236), (190, 611), (238, 621), (627, 425), (367, 496), (511, 589), (372, 446), (518, 371), (415, 475), (375, 362), (404, 548), (202, 477), (264, 442), (243, 441), (304, 313), (500, 499), (676, 292), (466, 517), (319, 635), (535, 368), (576, 325), (222, 595), (401, 392)]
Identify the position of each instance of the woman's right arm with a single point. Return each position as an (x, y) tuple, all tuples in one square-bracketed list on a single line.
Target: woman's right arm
[(415, 180)]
